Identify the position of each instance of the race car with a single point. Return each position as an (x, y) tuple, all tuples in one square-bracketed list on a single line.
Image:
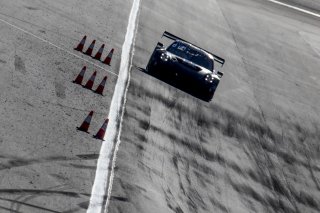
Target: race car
[(187, 63)]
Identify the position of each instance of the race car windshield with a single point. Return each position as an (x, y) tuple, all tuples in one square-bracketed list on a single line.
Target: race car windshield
[(187, 52)]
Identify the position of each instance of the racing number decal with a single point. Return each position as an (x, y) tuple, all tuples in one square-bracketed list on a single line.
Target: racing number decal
[(182, 47)]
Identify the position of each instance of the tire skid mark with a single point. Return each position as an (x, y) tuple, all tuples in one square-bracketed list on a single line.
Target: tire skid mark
[(20, 203), (20, 162), (257, 140), (232, 125), (42, 192)]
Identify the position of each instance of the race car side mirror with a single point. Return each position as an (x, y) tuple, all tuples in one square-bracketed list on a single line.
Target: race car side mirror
[(159, 45), (220, 74)]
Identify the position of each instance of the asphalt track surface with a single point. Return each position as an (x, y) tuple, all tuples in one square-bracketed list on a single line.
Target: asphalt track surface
[(254, 148)]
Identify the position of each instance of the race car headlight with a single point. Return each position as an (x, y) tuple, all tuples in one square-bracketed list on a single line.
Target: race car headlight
[(164, 57), (173, 59), (209, 78)]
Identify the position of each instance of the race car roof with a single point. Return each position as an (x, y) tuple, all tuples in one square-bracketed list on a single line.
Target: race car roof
[(173, 37)]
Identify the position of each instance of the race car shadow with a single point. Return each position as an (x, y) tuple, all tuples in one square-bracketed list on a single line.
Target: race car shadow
[(181, 85)]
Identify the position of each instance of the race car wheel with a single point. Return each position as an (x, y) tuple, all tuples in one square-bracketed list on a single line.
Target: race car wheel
[(151, 65), (208, 96)]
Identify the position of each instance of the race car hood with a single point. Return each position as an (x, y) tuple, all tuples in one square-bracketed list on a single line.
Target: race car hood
[(200, 70)]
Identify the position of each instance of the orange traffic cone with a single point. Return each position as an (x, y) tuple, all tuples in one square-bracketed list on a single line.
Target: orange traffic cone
[(99, 53), (90, 49), (100, 134), (108, 58), (100, 88), (86, 123), (81, 44), (90, 82), (79, 78)]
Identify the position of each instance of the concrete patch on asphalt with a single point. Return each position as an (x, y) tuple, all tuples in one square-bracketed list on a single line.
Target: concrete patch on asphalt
[(60, 89), (19, 64), (313, 40)]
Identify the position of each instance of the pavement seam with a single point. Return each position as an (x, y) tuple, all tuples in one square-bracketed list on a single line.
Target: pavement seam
[(56, 46)]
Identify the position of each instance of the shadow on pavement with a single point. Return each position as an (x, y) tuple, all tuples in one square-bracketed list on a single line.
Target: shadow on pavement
[(177, 83)]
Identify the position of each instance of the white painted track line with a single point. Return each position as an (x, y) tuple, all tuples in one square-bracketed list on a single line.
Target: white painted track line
[(103, 180), (296, 8), (56, 46)]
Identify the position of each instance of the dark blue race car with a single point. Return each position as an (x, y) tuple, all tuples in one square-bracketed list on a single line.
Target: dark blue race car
[(187, 63)]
